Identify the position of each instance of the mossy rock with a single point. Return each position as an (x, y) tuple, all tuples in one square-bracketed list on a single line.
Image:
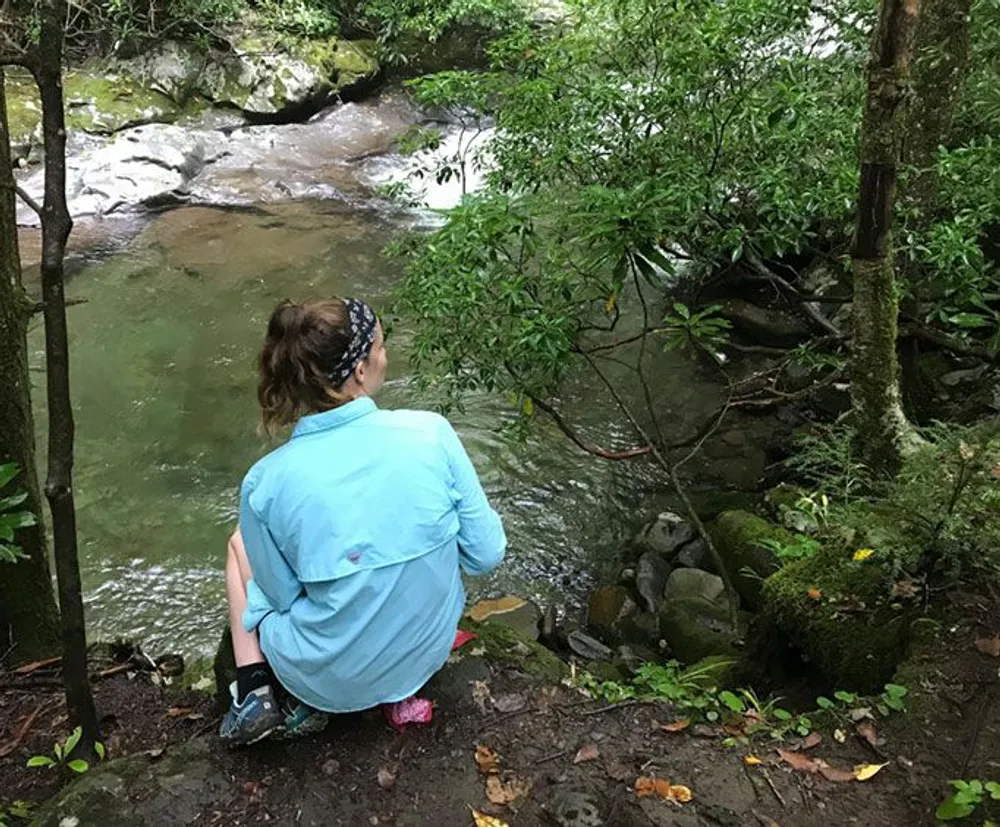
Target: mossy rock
[(174, 788), (24, 113), (696, 628), (104, 104), (835, 612), (737, 536), (504, 645)]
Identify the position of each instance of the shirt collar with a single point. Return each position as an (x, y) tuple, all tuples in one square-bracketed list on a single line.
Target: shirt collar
[(348, 412)]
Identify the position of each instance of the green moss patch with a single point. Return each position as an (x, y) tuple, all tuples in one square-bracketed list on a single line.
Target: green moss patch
[(738, 536)]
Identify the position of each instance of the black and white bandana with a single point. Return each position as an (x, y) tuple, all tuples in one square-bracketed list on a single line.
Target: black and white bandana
[(363, 323)]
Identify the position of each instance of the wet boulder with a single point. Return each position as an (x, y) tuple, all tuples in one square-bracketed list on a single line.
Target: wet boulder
[(769, 326), (615, 617), (695, 583), (651, 578), (695, 628)]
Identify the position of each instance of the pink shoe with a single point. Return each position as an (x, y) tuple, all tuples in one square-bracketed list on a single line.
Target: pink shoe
[(413, 710)]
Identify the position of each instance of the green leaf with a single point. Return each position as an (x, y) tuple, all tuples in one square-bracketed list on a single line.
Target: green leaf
[(782, 714), (731, 701), (824, 703), (950, 809), (40, 761), (72, 740), (99, 749), (8, 471), (78, 765)]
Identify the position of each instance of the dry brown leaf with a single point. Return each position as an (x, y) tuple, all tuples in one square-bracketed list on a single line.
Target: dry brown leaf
[(676, 726), (386, 779), (866, 729), (487, 760), (814, 593), (481, 695), (833, 773), (500, 792), (484, 608), (989, 646), (813, 739), (661, 788), (798, 761), (482, 820), (588, 752), (179, 711)]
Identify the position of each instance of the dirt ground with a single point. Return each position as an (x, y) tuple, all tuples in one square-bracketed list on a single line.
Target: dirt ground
[(360, 772)]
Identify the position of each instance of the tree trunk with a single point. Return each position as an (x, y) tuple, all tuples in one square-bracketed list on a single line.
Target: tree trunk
[(56, 227), (28, 619), (940, 65), (877, 411)]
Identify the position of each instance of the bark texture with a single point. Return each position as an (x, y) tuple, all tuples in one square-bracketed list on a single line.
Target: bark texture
[(28, 619), (877, 410), (56, 227)]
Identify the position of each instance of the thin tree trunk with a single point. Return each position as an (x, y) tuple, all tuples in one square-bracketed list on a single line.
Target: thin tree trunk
[(28, 619), (877, 411), (56, 227)]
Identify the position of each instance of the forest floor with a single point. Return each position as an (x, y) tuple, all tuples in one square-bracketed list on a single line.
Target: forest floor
[(561, 758)]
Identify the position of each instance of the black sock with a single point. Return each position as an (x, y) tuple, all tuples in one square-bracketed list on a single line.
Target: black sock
[(251, 677)]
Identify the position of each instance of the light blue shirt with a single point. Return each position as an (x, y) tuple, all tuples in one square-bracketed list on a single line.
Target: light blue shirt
[(356, 529)]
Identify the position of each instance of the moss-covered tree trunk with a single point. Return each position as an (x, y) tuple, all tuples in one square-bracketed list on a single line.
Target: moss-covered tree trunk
[(877, 410), (56, 227), (28, 618)]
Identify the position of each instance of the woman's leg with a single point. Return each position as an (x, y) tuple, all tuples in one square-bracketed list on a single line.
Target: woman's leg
[(246, 645)]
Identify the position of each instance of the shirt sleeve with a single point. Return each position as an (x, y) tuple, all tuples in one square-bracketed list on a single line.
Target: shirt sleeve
[(481, 538), (273, 578)]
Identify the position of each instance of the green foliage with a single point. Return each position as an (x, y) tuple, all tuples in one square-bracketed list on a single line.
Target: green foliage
[(967, 797), (61, 753), (645, 141), (799, 547), (705, 330), (17, 809), (12, 517), (302, 18)]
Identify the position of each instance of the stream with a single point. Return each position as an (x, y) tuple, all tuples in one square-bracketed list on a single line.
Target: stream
[(163, 384)]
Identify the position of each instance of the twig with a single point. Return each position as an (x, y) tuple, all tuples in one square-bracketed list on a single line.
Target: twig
[(10, 746), (205, 727), (610, 707), (28, 668), (977, 730), (546, 758), (758, 266), (506, 717), (774, 789), (39, 307)]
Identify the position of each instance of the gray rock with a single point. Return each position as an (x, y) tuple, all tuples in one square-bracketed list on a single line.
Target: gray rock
[(571, 808), (696, 628), (650, 579), (766, 325), (665, 535), (587, 647), (171, 68), (695, 583), (694, 556)]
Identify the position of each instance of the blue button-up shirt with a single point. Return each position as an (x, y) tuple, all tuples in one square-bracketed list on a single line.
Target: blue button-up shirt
[(356, 530)]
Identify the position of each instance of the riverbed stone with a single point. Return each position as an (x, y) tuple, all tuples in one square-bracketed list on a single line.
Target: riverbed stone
[(738, 537), (607, 608), (694, 555), (172, 68), (766, 325), (104, 103), (651, 578), (664, 535), (695, 628), (523, 616), (695, 583)]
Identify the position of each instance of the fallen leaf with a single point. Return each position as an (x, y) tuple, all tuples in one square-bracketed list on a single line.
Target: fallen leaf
[(865, 771), (509, 703), (500, 792), (989, 646), (386, 779), (751, 760), (905, 588), (798, 761), (484, 608), (839, 736), (866, 729), (860, 713), (676, 726), (487, 760), (588, 752), (483, 820), (814, 593), (833, 773), (813, 739), (179, 711), (661, 788), (863, 554), (203, 684)]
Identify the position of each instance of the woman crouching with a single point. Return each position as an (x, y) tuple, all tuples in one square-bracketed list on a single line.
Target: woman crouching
[(343, 578)]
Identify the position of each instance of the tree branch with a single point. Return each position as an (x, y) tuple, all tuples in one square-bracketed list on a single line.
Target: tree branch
[(27, 199), (580, 442), (761, 269)]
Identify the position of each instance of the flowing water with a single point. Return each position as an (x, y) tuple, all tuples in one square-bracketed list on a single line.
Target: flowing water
[(164, 393)]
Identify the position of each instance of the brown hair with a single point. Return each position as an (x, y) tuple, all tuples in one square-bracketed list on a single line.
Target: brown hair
[(303, 343)]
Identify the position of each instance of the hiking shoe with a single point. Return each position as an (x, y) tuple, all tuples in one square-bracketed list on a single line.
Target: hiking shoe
[(302, 719), (256, 718)]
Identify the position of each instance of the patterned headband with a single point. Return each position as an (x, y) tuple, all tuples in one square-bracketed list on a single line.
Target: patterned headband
[(363, 326)]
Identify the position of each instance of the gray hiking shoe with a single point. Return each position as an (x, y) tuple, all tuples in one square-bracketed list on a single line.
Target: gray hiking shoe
[(256, 718), (302, 719)]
